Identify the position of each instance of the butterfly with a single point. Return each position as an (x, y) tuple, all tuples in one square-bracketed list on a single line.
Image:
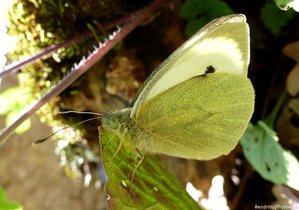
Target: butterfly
[(198, 102)]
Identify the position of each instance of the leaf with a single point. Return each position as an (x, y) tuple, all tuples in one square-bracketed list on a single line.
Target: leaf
[(190, 9), (7, 101), (292, 51), (268, 158), (274, 19), (193, 25), (13, 101), (294, 105), (292, 84), (6, 204), (12, 116), (287, 4), (200, 12), (152, 186)]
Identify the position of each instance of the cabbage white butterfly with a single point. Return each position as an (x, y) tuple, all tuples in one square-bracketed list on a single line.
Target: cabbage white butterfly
[(198, 102)]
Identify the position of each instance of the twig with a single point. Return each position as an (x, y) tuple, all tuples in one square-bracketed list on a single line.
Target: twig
[(239, 194), (16, 66)]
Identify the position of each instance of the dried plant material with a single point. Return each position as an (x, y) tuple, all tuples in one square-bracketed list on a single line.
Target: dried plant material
[(292, 51), (287, 132), (293, 81), (89, 94), (292, 84), (294, 105), (125, 75)]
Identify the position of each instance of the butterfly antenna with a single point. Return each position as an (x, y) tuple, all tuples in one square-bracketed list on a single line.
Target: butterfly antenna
[(39, 141), (78, 112)]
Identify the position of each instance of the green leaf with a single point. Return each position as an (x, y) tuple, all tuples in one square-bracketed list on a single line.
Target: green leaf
[(7, 101), (287, 4), (12, 103), (146, 186), (268, 158), (190, 9), (12, 116), (15, 98), (200, 12), (193, 26), (274, 19), (6, 204)]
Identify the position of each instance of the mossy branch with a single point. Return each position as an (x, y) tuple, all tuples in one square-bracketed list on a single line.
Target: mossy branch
[(16, 66)]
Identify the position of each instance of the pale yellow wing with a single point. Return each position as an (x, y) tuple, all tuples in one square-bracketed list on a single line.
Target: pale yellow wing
[(223, 44), (201, 118)]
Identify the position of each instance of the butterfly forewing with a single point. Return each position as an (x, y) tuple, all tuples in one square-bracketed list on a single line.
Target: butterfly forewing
[(223, 44)]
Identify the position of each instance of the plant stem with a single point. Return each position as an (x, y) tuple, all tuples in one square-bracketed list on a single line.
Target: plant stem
[(16, 66), (270, 119)]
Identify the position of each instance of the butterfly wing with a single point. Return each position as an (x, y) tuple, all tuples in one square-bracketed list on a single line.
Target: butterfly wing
[(201, 118), (222, 44)]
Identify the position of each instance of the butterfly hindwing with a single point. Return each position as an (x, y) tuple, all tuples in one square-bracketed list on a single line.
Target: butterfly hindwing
[(201, 118)]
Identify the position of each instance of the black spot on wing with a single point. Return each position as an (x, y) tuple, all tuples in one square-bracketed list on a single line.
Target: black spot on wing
[(210, 69)]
